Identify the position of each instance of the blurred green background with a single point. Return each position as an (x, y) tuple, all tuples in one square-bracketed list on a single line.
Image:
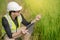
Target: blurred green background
[(48, 28)]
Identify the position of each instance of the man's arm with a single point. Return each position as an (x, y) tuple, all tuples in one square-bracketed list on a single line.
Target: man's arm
[(24, 21), (29, 24), (6, 27)]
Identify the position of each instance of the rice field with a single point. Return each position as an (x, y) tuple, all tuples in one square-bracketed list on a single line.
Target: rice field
[(48, 28)]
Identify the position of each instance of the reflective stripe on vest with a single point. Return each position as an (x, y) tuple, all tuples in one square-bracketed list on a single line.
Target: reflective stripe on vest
[(11, 23)]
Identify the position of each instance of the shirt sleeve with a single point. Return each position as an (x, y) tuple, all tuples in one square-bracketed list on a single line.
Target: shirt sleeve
[(6, 27), (24, 21)]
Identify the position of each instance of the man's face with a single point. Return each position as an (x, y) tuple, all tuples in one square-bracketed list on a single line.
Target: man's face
[(16, 13)]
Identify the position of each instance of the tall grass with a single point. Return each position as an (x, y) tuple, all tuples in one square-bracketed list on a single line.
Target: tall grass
[(48, 28)]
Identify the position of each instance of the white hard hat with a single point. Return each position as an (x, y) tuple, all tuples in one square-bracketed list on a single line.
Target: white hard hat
[(13, 6)]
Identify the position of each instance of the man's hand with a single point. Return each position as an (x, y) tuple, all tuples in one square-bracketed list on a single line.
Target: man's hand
[(38, 17), (23, 30), (20, 31)]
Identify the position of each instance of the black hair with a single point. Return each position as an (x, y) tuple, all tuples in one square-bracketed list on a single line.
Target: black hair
[(11, 12)]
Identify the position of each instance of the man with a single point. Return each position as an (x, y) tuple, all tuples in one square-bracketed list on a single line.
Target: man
[(11, 23)]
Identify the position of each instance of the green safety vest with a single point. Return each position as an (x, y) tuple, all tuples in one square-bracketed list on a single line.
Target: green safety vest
[(11, 23)]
